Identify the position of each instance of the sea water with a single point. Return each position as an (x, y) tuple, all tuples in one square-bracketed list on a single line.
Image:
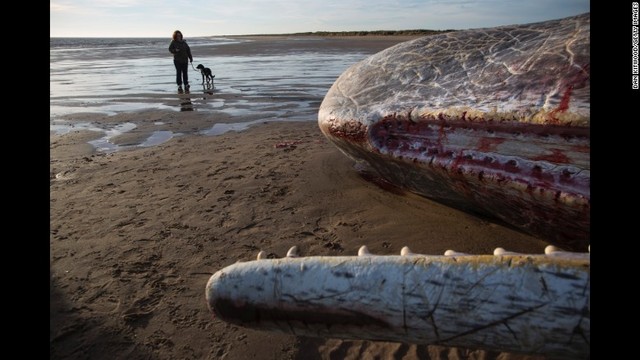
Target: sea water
[(285, 81)]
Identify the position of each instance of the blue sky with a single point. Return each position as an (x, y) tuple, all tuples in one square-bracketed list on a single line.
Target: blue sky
[(158, 18)]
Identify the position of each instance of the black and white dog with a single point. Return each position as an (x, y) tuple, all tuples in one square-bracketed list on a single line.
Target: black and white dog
[(206, 74)]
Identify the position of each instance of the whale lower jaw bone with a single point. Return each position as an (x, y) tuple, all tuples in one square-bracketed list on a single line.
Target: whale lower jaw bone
[(532, 304)]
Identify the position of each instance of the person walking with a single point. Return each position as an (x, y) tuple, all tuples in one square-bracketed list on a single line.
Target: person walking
[(181, 55)]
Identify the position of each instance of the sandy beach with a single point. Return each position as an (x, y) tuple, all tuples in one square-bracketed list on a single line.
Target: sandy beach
[(135, 234)]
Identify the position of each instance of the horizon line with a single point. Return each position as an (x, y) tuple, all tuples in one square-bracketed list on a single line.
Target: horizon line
[(407, 32)]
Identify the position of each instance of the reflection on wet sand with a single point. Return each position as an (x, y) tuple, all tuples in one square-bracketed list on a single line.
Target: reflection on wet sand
[(185, 98), (185, 102), (207, 88)]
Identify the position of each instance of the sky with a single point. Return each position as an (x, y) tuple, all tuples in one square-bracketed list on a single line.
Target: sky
[(195, 18)]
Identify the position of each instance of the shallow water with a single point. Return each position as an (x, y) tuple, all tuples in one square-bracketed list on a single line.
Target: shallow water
[(280, 79)]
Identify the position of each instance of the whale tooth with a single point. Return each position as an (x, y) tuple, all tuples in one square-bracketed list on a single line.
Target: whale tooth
[(293, 252), (555, 251), (406, 251), (262, 255), (501, 251), (550, 249), (363, 251), (454, 253)]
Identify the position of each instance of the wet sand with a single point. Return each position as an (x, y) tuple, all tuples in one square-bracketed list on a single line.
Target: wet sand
[(135, 235)]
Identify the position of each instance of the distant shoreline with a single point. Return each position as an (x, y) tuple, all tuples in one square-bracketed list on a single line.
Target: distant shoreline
[(417, 32), (349, 34), (403, 35)]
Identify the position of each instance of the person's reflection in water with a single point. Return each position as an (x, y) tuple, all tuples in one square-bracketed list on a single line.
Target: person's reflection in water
[(185, 103)]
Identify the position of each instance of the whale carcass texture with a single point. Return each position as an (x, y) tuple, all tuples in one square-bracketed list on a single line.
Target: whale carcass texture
[(532, 304), (494, 121)]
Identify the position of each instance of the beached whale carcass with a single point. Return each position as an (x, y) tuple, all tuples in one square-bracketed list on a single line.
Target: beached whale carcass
[(494, 121)]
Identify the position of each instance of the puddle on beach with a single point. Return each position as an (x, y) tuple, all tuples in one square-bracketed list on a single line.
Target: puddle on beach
[(271, 106), (106, 145), (157, 137), (247, 109)]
